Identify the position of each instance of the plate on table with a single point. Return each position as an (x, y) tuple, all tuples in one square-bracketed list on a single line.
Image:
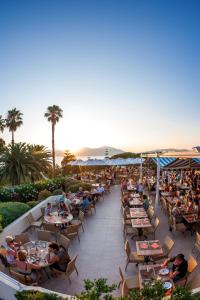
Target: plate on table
[(163, 272), (155, 245), (167, 285), (144, 246)]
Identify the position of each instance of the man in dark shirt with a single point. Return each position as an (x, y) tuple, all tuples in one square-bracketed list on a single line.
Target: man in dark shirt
[(179, 267)]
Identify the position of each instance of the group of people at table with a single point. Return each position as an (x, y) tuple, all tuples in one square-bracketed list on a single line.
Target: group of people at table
[(175, 267), (18, 255)]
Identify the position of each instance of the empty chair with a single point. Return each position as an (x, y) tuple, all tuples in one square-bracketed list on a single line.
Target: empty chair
[(132, 282), (178, 226), (132, 257), (150, 213), (79, 221), (152, 230), (64, 241), (33, 223), (194, 283), (43, 235), (22, 238), (124, 290), (51, 227), (167, 247), (71, 231)]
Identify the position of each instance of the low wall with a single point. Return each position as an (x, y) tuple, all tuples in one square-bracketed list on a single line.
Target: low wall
[(9, 287), (21, 224)]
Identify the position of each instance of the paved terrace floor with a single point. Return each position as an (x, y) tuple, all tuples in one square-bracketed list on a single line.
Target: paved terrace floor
[(101, 248)]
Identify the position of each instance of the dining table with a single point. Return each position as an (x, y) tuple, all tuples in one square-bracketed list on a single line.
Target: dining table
[(138, 212), (149, 248), (37, 252), (148, 274), (136, 202), (140, 224), (57, 219)]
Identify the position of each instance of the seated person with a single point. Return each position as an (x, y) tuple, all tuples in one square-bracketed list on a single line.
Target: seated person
[(26, 268), (85, 203), (58, 257), (60, 198), (80, 193), (100, 189), (145, 202), (11, 250), (63, 209), (48, 210), (179, 267), (176, 212), (190, 208), (68, 203)]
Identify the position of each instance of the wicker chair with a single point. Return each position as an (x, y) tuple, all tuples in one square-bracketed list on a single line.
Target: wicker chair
[(22, 238), (132, 282), (167, 247), (132, 257)]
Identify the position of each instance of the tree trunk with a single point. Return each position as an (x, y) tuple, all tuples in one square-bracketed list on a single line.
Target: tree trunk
[(53, 148), (12, 141)]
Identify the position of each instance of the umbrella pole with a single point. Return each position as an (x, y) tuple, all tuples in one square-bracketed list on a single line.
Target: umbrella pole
[(141, 167), (158, 182)]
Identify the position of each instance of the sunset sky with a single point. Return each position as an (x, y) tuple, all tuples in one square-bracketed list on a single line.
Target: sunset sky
[(126, 73)]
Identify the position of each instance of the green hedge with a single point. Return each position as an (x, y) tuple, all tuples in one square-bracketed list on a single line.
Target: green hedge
[(10, 211), (75, 187), (41, 190), (36, 295), (31, 204)]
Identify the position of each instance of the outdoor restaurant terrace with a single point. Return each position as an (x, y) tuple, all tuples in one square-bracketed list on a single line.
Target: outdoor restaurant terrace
[(129, 224)]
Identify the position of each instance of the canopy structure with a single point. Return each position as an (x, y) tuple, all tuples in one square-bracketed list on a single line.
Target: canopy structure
[(187, 163), (164, 161), (107, 162)]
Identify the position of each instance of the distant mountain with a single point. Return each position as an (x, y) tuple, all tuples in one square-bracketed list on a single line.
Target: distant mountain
[(165, 150), (86, 151)]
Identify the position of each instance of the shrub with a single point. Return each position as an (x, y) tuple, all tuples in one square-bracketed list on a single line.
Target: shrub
[(43, 195), (31, 204), (26, 192), (11, 211), (36, 295), (57, 192), (74, 187), (1, 223)]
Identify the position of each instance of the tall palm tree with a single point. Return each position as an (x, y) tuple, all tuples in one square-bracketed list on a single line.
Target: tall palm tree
[(41, 159), (16, 164), (2, 124), (53, 115), (13, 121)]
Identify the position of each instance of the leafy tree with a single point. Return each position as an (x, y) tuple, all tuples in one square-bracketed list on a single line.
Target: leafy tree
[(2, 124), (2, 145), (68, 157), (21, 161), (14, 120), (41, 159), (53, 115), (126, 155)]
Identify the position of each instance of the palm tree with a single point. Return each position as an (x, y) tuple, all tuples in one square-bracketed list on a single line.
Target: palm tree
[(21, 162), (2, 124), (53, 115), (41, 159), (13, 121), (16, 164)]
